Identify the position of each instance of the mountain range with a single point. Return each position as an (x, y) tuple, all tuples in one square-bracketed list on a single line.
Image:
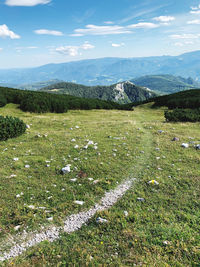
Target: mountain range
[(106, 71), (166, 84)]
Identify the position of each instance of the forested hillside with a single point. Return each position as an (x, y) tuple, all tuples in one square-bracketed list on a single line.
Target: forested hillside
[(125, 92)]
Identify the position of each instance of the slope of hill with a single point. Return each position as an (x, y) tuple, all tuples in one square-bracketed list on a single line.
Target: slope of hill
[(166, 84), (107, 71), (185, 99), (125, 92)]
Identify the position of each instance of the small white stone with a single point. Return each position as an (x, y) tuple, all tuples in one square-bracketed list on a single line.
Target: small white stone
[(79, 202), (101, 220), (27, 166), (31, 207), (50, 219), (76, 146), (185, 145), (73, 179), (126, 213), (16, 159), (16, 228)]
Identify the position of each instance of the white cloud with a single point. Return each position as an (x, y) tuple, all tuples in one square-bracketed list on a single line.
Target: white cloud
[(196, 21), (181, 44), (48, 32), (87, 46), (112, 29), (109, 22), (26, 2), (26, 47), (143, 25), (73, 50), (195, 10), (164, 18), (185, 36), (195, 7), (68, 50), (100, 30), (5, 32), (118, 45)]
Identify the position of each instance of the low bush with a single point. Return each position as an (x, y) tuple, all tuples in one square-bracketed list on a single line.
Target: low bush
[(11, 127), (190, 115), (3, 100)]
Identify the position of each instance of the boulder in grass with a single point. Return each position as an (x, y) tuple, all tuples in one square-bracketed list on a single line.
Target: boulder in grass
[(185, 145), (153, 182), (140, 199), (28, 126), (197, 147), (101, 220), (79, 202), (175, 139), (66, 169)]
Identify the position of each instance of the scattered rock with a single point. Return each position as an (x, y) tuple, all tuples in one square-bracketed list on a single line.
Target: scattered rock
[(154, 182), (82, 174), (185, 145), (73, 140), (197, 147), (76, 146), (16, 228), (31, 207), (27, 166), (160, 131), (175, 139), (28, 126), (73, 179), (101, 220), (15, 159), (126, 213), (79, 202), (66, 169), (140, 199)]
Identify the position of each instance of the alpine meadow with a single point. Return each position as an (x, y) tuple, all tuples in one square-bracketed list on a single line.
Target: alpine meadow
[(99, 133)]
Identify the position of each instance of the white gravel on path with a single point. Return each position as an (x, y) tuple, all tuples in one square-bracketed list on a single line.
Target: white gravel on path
[(71, 224)]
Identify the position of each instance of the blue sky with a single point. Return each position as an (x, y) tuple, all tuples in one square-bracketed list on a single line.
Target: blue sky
[(37, 32)]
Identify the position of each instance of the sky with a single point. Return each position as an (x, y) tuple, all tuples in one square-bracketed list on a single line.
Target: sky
[(38, 32)]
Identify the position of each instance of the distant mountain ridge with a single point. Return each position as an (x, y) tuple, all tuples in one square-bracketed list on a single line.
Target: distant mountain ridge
[(124, 92), (107, 71), (166, 84)]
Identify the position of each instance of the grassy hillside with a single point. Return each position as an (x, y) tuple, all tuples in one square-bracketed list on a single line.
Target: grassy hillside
[(125, 92), (162, 230), (165, 84)]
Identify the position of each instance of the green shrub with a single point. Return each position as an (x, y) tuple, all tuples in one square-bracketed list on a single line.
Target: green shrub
[(190, 115), (11, 127), (3, 100)]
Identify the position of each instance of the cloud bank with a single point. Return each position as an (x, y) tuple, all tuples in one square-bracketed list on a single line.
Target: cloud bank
[(26, 2)]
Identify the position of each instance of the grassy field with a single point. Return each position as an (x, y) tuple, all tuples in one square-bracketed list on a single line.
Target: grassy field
[(161, 231)]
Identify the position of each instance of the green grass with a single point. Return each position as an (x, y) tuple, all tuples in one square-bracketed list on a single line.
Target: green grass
[(170, 212)]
